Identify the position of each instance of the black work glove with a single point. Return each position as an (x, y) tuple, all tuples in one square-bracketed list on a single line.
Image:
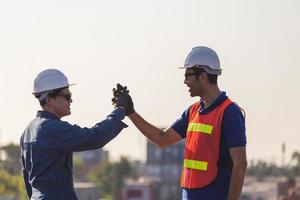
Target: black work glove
[(122, 98)]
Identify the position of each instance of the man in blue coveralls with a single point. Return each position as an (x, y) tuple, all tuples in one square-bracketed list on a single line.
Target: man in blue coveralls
[(48, 142), (214, 128)]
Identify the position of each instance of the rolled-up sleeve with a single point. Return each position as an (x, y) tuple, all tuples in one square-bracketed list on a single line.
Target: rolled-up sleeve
[(63, 136)]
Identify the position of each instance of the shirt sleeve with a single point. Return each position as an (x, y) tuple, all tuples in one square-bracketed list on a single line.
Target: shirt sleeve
[(181, 124), (25, 174), (233, 127), (71, 138)]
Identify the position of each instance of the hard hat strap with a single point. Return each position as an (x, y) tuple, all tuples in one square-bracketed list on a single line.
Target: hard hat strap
[(43, 95)]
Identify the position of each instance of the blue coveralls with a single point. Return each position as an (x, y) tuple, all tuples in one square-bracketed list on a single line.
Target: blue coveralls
[(46, 152)]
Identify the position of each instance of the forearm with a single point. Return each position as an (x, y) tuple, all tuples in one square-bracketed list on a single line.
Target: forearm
[(103, 132), (112, 125), (153, 133), (72, 138), (236, 181)]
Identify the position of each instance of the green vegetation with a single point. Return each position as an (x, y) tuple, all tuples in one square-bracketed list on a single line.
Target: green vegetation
[(12, 184), (262, 169), (110, 176)]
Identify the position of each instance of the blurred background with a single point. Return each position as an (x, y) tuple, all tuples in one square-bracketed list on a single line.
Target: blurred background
[(141, 44)]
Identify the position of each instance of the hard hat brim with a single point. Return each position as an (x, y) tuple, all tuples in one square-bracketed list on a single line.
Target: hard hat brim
[(49, 89), (207, 69)]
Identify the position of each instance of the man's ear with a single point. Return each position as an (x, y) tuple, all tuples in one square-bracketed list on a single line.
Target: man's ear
[(49, 101), (203, 76)]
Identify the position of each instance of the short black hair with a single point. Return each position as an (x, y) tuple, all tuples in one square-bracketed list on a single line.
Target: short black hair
[(212, 78), (52, 93)]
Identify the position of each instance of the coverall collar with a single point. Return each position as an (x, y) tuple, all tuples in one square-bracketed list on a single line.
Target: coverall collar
[(46, 114)]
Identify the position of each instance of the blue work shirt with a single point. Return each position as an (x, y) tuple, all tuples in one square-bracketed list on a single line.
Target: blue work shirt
[(232, 135), (46, 152)]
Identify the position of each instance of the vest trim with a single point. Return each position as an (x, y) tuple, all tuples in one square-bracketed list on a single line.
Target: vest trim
[(200, 127), (195, 164)]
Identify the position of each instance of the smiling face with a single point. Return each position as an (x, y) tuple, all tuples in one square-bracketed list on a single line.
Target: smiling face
[(194, 81), (60, 103)]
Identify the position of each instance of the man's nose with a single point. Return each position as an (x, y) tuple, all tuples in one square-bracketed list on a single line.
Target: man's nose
[(186, 81)]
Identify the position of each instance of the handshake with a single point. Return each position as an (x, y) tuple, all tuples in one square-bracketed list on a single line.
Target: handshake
[(122, 98)]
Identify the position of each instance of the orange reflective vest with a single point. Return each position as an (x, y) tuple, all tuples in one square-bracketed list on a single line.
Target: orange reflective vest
[(202, 146)]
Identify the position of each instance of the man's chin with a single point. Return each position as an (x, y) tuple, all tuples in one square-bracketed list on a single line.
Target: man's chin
[(68, 113), (192, 95)]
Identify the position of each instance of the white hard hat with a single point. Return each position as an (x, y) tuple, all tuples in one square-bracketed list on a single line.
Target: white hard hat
[(205, 58), (49, 79)]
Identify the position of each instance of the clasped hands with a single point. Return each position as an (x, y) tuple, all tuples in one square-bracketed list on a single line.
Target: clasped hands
[(123, 99)]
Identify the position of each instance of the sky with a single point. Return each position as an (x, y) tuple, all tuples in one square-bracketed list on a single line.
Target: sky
[(141, 44)]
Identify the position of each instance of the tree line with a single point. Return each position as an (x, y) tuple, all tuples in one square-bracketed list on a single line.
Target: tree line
[(110, 177), (261, 169)]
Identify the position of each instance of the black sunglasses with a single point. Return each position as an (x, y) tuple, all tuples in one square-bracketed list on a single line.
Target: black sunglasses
[(67, 97), (187, 75)]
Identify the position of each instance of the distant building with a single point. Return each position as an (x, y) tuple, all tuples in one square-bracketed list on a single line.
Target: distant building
[(166, 163), (283, 187), (288, 190), (86, 191), (159, 176), (139, 169), (91, 160), (139, 190), (270, 188), (92, 157)]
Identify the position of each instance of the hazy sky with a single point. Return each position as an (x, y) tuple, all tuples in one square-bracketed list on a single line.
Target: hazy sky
[(141, 43)]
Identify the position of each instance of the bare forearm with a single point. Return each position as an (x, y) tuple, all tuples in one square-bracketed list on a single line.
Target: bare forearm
[(155, 134), (236, 182)]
